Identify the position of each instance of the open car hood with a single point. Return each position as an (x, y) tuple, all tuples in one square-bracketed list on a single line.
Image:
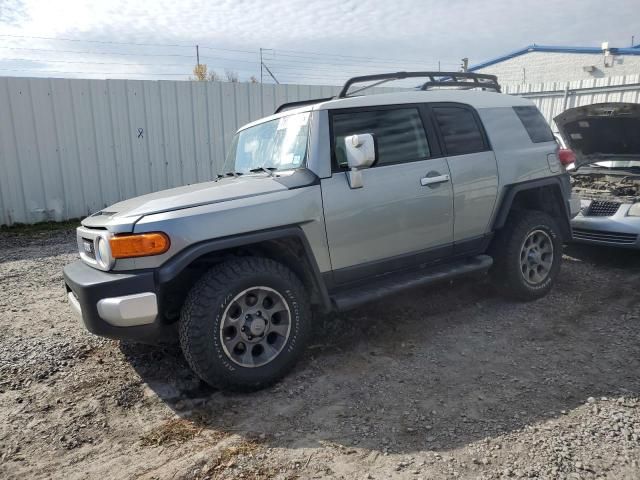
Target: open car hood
[(602, 131)]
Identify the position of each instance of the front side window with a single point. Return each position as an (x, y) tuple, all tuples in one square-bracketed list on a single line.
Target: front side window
[(279, 144), (399, 134), (460, 130)]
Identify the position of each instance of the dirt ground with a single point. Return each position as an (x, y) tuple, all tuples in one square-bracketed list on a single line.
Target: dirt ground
[(436, 383)]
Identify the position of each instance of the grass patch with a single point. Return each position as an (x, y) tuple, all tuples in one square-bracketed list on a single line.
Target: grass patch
[(228, 455), (177, 430), (42, 227)]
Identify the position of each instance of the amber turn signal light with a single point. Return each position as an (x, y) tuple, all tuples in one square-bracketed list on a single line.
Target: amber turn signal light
[(139, 245)]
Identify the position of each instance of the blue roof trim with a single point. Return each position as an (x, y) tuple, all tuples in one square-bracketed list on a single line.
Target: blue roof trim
[(635, 50)]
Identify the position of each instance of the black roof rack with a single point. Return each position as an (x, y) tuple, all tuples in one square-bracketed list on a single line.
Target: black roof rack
[(301, 103), (465, 80), (436, 79)]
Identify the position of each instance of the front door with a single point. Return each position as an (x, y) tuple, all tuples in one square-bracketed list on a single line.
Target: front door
[(403, 214)]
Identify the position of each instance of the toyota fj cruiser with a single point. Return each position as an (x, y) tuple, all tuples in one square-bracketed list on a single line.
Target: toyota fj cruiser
[(325, 205)]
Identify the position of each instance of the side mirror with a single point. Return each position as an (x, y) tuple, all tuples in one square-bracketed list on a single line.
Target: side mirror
[(360, 150)]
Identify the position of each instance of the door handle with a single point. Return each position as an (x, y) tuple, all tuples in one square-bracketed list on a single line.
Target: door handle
[(424, 181)]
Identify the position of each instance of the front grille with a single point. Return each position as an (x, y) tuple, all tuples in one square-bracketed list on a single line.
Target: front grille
[(600, 208), (609, 237)]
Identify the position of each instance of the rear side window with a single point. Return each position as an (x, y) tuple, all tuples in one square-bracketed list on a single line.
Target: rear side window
[(535, 124), (399, 134), (460, 130)]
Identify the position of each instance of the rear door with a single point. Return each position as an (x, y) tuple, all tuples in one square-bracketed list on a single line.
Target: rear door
[(403, 215), (474, 171)]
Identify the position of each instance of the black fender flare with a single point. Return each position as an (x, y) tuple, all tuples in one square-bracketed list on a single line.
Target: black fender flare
[(560, 183), (176, 264)]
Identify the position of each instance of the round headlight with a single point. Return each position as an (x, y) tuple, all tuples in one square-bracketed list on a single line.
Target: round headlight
[(634, 210), (103, 254)]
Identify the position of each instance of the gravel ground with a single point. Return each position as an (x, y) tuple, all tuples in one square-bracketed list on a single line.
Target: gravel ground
[(437, 383)]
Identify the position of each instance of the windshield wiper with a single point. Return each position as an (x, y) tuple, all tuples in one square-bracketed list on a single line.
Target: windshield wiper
[(268, 170)]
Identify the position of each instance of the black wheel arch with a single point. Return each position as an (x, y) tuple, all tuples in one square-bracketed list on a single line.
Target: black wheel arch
[(287, 245), (549, 194)]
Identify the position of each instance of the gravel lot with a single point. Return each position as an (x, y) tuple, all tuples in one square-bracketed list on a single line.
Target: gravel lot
[(446, 382)]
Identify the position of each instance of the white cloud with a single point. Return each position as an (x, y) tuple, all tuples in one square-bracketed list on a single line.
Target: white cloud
[(427, 30)]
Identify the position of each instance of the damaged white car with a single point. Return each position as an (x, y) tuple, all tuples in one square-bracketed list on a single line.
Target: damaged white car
[(605, 139)]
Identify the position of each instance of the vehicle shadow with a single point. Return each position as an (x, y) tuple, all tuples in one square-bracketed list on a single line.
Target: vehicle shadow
[(606, 256), (430, 369)]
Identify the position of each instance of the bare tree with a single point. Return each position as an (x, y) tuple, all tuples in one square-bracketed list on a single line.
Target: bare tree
[(213, 76), (253, 79), (231, 76)]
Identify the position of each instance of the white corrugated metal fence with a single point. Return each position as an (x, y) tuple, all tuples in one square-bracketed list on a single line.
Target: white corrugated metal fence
[(71, 147)]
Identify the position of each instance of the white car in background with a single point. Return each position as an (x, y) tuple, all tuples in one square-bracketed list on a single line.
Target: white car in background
[(605, 139)]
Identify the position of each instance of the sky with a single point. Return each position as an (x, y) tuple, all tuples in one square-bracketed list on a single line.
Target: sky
[(305, 41)]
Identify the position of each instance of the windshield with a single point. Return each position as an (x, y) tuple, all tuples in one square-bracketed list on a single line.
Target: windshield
[(279, 144)]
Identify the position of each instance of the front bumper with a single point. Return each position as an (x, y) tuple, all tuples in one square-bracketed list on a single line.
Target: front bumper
[(122, 306), (618, 230)]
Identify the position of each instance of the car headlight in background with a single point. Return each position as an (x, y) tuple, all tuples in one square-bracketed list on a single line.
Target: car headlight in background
[(634, 210)]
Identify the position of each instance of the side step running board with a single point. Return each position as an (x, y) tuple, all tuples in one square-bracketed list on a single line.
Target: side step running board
[(393, 283)]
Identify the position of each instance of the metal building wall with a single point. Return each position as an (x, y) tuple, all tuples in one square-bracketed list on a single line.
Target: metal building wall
[(71, 147)]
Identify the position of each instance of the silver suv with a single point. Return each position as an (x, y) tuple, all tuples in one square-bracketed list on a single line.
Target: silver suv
[(326, 205)]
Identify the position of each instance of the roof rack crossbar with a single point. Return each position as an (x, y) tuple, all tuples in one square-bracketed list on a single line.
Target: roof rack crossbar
[(439, 79), (371, 86), (300, 103)]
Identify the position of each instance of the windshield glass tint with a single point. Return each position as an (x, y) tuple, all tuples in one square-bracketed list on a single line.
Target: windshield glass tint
[(279, 144)]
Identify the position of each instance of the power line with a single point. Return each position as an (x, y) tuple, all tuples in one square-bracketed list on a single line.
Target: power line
[(319, 67), (100, 63), (92, 73), (292, 53), (345, 56), (99, 53), (105, 42), (364, 61)]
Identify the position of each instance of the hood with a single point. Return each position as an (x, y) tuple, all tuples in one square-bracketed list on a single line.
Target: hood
[(602, 131), (223, 190)]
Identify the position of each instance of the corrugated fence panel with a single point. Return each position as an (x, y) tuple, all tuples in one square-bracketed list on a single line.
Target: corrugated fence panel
[(71, 147), (13, 198)]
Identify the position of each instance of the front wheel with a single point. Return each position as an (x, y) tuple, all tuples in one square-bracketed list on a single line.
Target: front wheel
[(245, 323), (527, 255)]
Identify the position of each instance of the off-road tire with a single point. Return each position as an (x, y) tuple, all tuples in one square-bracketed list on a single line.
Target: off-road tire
[(203, 311), (506, 273)]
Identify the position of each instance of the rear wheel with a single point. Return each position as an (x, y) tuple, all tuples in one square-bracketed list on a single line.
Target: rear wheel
[(245, 323), (527, 255)]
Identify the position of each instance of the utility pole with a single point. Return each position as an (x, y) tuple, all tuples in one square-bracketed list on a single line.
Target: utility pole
[(198, 56), (439, 66), (263, 66), (465, 64)]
